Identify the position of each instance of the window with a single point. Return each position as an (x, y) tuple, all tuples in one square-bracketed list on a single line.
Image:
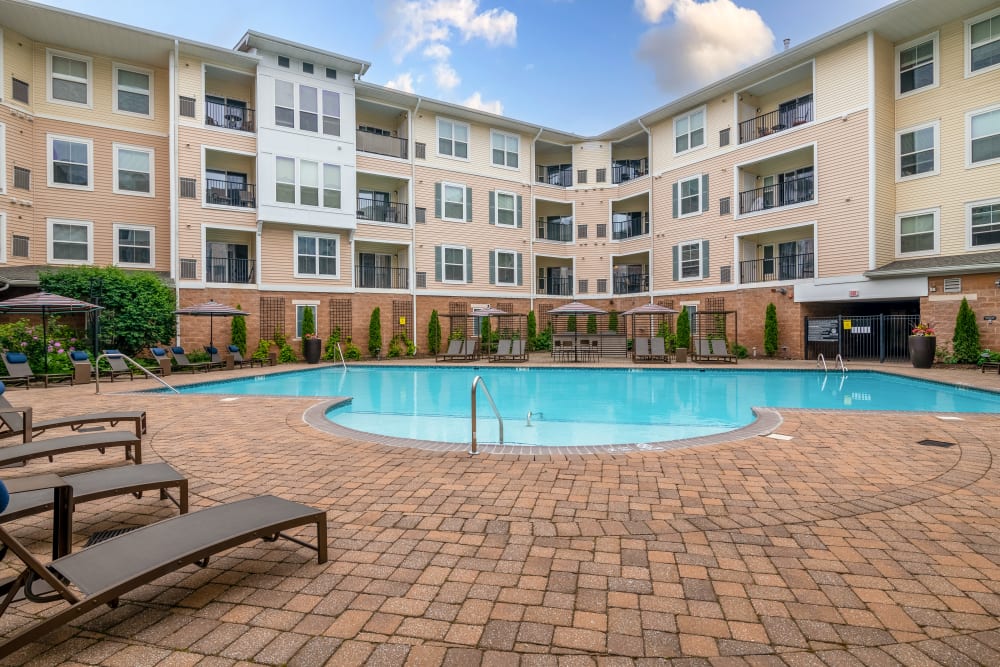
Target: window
[(982, 39), (300, 311), (189, 188), (454, 264), (918, 154), (690, 196), (22, 177), (984, 224), (133, 90), (307, 68), (133, 170), (506, 267), (918, 65), (454, 201), (70, 165), (69, 242), (20, 246), (506, 209), (308, 183), (20, 90), (331, 113), (308, 110), (69, 78), (331, 73), (331, 186), (283, 61), (983, 128), (453, 138), (285, 180), (134, 245), (284, 103), (690, 258), (917, 233), (689, 131), (315, 255), (186, 106), (505, 149)]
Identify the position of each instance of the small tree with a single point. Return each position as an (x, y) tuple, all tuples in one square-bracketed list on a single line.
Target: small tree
[(434, 333), (238, 332), (591, 323), (375, 333), (613, 321), (532, 329), (684, 329), (771, 330), (485, 334), (966, 339), (571, 324), (308, 326)]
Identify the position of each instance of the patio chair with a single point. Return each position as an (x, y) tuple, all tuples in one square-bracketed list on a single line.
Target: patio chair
[(216, 360), (83, 369), (640, 349), (50, 447), (503, 350), (163, 359), (102, 573), (238, 359), (720, 351), (19, 371), (456, 349), (658, 350), (119, 367), (18, 421), (702, 350), (518, 350), (180, 357)]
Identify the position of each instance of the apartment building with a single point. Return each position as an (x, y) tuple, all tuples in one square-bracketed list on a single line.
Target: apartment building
[(854, 174)]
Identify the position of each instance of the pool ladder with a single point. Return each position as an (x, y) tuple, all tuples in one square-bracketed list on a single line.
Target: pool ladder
[(477, 382), (821, 362)]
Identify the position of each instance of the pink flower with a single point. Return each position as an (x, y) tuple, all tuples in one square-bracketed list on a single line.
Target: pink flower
[(24, 343)]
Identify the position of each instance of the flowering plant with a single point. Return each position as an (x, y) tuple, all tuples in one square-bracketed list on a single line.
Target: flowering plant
[(309, 336), (922, 329)]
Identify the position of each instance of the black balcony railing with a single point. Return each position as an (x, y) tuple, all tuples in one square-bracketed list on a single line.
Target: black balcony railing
[(635, 225), (228, 270), (224, 193), (625, 170), (380, 144), (557, 287), (786, 193), (229, 116), (377, 211), (631, 284), (787, 117), (378, 277), (557, 231), (785, 267), (563, 176)]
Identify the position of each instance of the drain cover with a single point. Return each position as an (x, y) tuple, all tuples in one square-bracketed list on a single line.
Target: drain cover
[(102, 535), (935, 443)]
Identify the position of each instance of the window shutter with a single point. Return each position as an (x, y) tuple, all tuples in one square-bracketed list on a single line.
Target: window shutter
[(468, 265), (493, 268), (676, 251), (519, 216), (493, 207), (674, 198), (704, 257), (437, 201), (704, 192), (468, 204), (437, 263), (520, 277)]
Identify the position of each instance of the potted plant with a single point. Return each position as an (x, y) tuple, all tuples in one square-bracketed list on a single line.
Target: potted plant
[(922, 345), (312, 348)]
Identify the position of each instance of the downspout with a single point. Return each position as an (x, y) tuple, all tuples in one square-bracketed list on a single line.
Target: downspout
[(413, 218), (174, 224), (871, 150), (531, 223), (649, 152)]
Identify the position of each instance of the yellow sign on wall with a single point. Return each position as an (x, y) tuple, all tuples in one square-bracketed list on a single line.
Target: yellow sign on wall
[(847, 324), (402, 321)]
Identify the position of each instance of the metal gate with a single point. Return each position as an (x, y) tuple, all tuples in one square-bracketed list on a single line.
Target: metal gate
[(860, 337)]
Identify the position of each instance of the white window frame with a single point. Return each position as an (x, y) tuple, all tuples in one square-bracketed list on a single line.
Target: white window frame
[(49, 74), (505, 136), (277, 106), (444, 201), (936, 126), (115, 147), (444, 264), (323, 115), (680, 259), (89, 187), (115, 87), (294, 183), (496, 206), (317, 184), (3, 149), (305, 304), (968, 224), (898, 241), (118, 226), (295, 255), (49, 241), (323, 188), (704, 130), (496, 267), (454, 124), (680, 197), (969, 164), (967, 44), (932, 37)]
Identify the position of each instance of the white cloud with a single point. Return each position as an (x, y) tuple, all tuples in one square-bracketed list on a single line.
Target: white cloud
[(475, 101), (417, 22), (706, 41), (446, 77), (402, 82), (437, 52), (653, 10)]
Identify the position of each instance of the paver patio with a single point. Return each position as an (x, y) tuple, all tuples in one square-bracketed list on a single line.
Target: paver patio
[(850, 543)]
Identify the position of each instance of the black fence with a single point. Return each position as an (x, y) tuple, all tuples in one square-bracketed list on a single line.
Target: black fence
[(860, 337)]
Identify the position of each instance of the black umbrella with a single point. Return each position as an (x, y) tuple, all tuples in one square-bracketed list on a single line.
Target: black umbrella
[(211, 309), (45, 304)]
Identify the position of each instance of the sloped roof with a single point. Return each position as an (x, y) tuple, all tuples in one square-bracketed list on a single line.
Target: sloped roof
[(980, 262)]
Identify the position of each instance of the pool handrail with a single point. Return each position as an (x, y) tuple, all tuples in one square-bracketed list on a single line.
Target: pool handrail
[(821, 362), (476, 382), (840, 364), (97, 376), (343, 362)]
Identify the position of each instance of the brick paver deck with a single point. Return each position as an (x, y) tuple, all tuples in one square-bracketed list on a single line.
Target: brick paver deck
[(849, 543)]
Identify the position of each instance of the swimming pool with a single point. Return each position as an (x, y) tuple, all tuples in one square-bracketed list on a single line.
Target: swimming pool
[(591, 406)]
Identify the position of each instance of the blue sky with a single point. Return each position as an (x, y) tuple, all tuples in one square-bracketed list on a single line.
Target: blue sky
[(582, 66)]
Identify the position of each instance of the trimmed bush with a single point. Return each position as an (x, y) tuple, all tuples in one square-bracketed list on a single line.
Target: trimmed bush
[(613, 321), (771, 330), (375, 333), (591, 323), (238, 332), (684, 329), (966, 338), (571, 323), (532, 330), (434, 333)]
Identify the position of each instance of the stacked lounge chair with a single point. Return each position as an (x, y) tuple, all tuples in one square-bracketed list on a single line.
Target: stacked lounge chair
[(19, 371), (238, 359), (184, 364)]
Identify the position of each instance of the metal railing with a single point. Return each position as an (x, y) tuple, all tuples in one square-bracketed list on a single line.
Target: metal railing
[(561, 177), (229, 270), (229, 116), (380, 144), (784, 267), (792, 191), (375, 211), (343, 361), (224, 193), (631, 284), (476, 382), (775, 121), (841, 365), (626, 229), (375, 277), (557, 231), (623, 171), (558, 286), (97, 375)]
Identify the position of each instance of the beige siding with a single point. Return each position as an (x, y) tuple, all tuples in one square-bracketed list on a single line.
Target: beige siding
[(718, 116), (378, 165), (17, 57), (480, 157), (17, 204), (885, 181), (591, 156), (841, 79), (192, 82), (278, 258)]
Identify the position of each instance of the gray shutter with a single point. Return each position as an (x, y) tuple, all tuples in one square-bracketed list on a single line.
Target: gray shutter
[(468, 265), (676, 251), (676, 207), (519, 217), (493, 207), (437, 201), (704, 192), (493, 267), (437, 263), (520, 276), (468, 204), (704, 258)]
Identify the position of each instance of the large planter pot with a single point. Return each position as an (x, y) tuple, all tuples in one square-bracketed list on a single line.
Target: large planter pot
[(922, 351), (312, 349)]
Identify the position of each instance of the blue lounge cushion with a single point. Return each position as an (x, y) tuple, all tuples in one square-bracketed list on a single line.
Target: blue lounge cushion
[(211, 350), (112, 352), (78, 355), (3, 388), (177, 350), (17, 357), (158, 351), (234, 348), (4, 496)]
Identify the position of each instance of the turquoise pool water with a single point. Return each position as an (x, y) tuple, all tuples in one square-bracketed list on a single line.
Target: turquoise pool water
[(591, 406)]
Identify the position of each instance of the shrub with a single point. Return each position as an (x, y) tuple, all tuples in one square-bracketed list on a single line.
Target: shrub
[(308, 326), (286, 355), (571, 324), (966, 338), (532, 330), (543, 341), (740, 351), (263, 349), (22, 336), (684, 329), (397, 346), (770, 330), (669, 339), (375, 333), (238, 332), (352, 351), (591, 323), (613, 321), (434, 333), (330, 349)]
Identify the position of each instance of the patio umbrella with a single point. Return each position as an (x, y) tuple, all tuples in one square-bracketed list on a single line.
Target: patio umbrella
[(211, 309), (650, 309), (45, 304), (576, 308), (489, 311)]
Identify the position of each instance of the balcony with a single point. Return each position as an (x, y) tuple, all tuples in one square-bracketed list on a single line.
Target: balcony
[(623, 171), (776, 104), (381, 143), (382, 211), (229, 116), (785, 193), (631, 284), (228, 193), (789, 115), (560, 175), (629, 225), (556, 286), (223, 269), (782, 267), (378, 277), (556, 228)]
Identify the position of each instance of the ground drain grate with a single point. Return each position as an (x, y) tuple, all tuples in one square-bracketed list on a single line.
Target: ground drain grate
[(935, 443), (104, 535)]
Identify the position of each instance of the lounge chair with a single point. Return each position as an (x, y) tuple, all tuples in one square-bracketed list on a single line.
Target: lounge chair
[(183, 364), (503, 350), (720, 352), (640, 349), (83, 369), (519, 350), (18, 421), (107, 570), (162, 358), (19, 371), (119, 367), (702, 350), (658, 350), (456, 350), (238, 359), (49, 447), (215, 360)]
